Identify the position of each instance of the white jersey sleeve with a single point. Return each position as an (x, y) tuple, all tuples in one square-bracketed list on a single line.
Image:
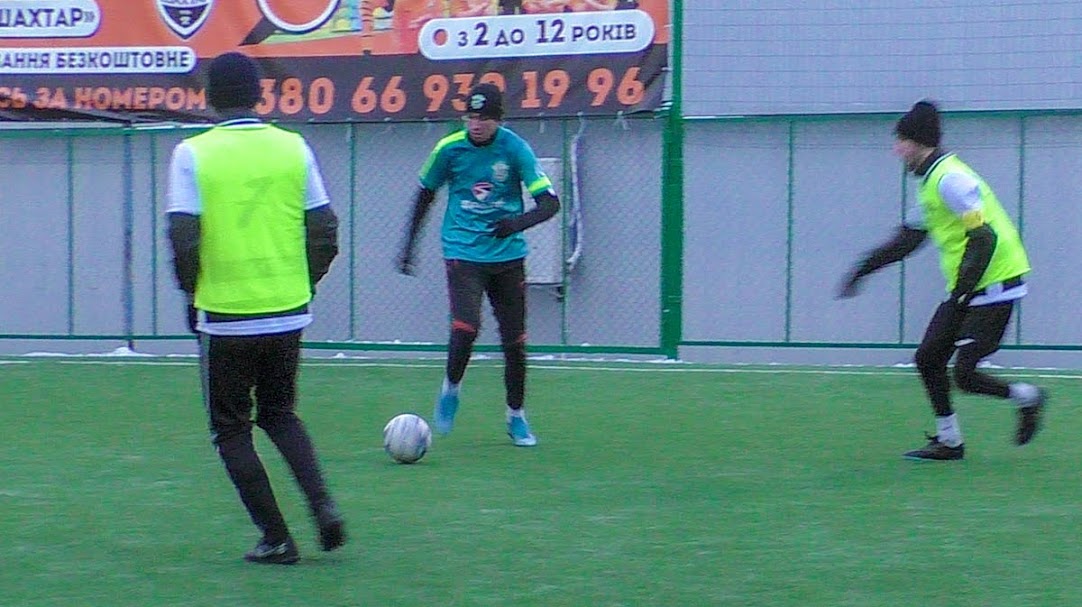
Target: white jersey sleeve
[(183, 191), (961, 192), (315, 194)]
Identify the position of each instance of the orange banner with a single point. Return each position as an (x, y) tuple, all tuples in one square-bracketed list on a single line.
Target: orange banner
[(331, 60)]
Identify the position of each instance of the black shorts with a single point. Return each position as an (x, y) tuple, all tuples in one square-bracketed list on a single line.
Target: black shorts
[(975, 334), (505, 284)]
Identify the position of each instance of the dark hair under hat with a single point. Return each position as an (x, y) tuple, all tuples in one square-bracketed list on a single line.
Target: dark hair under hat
[(233, 82), (920, 124), (486, 100)]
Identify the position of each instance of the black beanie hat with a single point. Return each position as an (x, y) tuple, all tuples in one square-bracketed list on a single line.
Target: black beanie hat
[(486, 100), (233, 82), (920, 124)]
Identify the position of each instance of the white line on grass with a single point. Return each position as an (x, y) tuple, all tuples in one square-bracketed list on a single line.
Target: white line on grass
[(639, 368)]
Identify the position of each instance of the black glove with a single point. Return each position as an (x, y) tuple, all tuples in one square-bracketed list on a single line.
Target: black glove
[(850, 286), (193, 317), (504, 228), (404, 263)]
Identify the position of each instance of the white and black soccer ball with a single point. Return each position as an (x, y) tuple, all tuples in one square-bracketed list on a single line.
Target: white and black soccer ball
[(406, 438)]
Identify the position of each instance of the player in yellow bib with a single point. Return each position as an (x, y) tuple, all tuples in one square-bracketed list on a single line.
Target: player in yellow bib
[(984, 264), (252, 232)]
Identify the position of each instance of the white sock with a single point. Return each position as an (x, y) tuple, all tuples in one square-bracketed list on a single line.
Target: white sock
[(1023, 394), (449, 387), (947, 430), (520, 412)]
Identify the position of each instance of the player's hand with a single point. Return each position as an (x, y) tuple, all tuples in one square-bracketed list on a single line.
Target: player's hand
[(960, 299), (503, 229), (850, 286), (404, 263)]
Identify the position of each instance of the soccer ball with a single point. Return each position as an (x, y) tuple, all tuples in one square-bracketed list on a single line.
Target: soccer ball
[(406, 438)]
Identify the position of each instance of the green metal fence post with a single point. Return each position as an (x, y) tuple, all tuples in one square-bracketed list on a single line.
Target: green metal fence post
[(352, 231), (901, 265), (672, 203), (69, 148), (790, 193), (154, 203), (128, 296), (1021, 214)]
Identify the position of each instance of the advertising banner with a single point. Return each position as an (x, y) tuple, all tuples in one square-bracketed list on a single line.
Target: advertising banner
[(331, 60)]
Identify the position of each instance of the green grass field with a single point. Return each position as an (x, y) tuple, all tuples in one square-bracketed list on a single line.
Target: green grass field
[(653, 485)]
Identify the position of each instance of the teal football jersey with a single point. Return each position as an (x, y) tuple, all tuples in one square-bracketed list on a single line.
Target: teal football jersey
[(484, 185)]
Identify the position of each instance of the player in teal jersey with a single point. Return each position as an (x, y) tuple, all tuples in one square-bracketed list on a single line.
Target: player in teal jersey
[(484, 168)]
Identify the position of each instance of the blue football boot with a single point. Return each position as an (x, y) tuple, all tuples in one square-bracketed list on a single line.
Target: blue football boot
[(519, 431), (443, 417)]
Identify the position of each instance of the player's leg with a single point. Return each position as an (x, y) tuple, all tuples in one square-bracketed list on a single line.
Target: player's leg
[(932, 356), (506, 289), (227, 369), (981, 334), (464, 291), (275, 393)]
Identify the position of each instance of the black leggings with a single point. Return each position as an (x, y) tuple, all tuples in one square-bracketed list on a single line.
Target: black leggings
[(505, 285), (974, 333), (234, 368)]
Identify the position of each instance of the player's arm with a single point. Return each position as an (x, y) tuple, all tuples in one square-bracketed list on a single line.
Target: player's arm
[(906, 239), (547, 207), (540, 187), (320, 223), (433, 175), (184, 232), (321, 244), (962, 194), (184, 236), (422, 202), (980, 245), (182, 214)]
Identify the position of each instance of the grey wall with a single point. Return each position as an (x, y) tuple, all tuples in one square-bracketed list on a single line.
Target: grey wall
[(43, 226), (824, 56), (778, 210), (33, 242)]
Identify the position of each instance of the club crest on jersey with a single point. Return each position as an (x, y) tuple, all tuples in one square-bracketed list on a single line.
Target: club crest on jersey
[(501, 171), (184, 17), (481, 190)]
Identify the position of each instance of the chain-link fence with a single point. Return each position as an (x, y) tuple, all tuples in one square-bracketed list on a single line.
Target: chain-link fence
[(81, 219), (801, 199), (773, 211)]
